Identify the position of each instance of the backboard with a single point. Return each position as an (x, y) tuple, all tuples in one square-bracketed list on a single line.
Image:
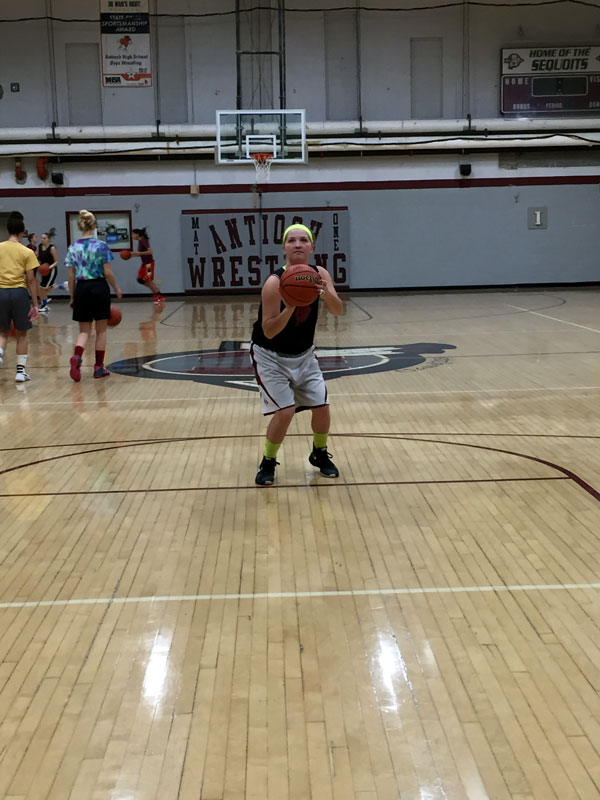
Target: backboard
[(280, 133)]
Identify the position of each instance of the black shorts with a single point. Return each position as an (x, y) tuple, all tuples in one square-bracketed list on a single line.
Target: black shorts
[(14, 307), (91, 301), (48, 280)]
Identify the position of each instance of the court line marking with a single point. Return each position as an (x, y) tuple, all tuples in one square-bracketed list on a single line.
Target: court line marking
[(163, 440), (251, 395), (252, 486), (583, 484), (533, 587), (555, 319)]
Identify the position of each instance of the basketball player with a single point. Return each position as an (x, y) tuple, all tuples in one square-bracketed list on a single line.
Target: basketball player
[(145, 274), (284, 361), (87, 259), (17, 272), (47, 255), (32, 242)]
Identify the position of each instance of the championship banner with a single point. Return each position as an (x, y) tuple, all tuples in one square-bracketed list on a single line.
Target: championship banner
[(237, 250), (125, 38)]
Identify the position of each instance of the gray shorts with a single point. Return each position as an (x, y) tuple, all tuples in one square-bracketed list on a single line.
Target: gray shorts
[(285, 381), (14, 307)]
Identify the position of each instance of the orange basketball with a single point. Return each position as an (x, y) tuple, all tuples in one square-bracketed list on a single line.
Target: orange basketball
[(115, 316), (298, 285), (125, 255), (44, 269), (13, 330)]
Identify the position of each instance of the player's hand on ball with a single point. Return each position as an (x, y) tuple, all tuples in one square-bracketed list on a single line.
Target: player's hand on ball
[(285, 302)]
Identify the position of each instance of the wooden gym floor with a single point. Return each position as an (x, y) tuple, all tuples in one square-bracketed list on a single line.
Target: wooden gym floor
[(426, 627)]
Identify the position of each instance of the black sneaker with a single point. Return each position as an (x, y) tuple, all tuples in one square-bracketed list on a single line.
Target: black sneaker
[(322, 459), (266, 471)]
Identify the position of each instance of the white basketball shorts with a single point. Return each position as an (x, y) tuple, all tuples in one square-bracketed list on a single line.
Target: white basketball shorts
[(285, 381)]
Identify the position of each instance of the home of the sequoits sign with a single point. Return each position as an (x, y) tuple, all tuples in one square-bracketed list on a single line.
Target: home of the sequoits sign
[(238, 249)]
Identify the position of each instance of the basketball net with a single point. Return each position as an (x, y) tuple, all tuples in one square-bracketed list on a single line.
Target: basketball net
[(262, 164)]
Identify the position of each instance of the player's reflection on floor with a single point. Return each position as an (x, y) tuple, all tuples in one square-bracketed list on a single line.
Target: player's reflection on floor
[(86, 400)]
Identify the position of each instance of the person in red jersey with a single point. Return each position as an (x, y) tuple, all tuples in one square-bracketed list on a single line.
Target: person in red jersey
[(145, 274)]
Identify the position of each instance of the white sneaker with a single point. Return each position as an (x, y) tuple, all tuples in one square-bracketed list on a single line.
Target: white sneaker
[(43, 310), (1, 359), (21, 377)]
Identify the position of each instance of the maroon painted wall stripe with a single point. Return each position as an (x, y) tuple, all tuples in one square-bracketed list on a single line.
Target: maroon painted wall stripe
[(331, 186)]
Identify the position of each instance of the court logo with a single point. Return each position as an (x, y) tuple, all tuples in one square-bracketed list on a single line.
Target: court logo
[(230, 365)]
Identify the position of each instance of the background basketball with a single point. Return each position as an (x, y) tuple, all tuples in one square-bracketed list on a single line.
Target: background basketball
[(12, 332), (298, 286), (125, 254), (44, 269), (115, 316)]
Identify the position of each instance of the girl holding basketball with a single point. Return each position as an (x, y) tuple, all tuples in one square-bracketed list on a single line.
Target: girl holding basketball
[(284, 361), (48, 258), (89, 277), (145, 274)]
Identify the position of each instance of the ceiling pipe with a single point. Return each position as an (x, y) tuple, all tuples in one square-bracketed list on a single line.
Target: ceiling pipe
[(348, 128), (348, 145)]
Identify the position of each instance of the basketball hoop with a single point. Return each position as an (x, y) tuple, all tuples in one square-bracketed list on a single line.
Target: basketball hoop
[(262, 163)]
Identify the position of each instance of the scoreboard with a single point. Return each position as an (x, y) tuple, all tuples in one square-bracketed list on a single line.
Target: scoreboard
[(542, 80)]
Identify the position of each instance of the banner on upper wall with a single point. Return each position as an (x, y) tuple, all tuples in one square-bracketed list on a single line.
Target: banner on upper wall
[(125, 37), (237, 250)]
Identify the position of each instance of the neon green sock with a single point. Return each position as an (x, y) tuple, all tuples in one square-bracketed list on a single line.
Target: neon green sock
[(271, 449), (320, 440)]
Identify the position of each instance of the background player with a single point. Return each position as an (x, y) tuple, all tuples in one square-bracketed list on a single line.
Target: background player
[(87, 259), (17, 272), (284, 361), (32, 242), (145, 274), (47, 255)]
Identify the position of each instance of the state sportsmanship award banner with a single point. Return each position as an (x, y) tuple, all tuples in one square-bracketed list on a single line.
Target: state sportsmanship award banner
[(239, 249), (125, 36)]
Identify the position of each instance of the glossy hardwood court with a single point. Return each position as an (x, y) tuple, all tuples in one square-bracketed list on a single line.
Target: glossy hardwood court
[(426, 627)]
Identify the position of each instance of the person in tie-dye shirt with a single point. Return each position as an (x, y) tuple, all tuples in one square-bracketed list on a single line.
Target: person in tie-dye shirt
[(89, 277)]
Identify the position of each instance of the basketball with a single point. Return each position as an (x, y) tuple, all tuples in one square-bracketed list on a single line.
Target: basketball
[(13, 330), (115, 316), (298, 286), (125, 254), (44, 269)]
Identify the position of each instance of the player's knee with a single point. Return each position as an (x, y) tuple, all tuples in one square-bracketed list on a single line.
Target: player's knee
[(286, 414)]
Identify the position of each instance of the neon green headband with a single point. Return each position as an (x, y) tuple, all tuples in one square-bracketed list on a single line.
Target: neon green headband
[(301, 227)]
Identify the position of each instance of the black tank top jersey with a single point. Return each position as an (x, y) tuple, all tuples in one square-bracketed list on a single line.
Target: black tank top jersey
[(297, 336), (45, 256)]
